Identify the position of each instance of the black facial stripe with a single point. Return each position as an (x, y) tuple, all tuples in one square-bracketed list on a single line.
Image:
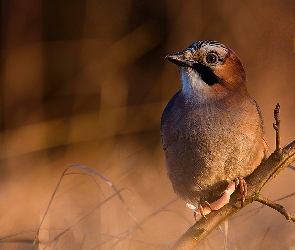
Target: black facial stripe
[(206, 74)]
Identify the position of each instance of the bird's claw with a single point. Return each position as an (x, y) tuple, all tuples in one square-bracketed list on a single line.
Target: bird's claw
[(243, 188), (216, 205), (202, 210), (206, 208)]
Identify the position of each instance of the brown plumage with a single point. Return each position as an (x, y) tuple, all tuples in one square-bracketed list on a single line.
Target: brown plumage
[(212, 129)]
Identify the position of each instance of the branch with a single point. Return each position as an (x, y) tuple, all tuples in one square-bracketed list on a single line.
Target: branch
[(264, 173), (275, 206), (276, 126)]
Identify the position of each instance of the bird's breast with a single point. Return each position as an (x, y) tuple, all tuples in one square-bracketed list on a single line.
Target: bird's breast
[(205, 145)]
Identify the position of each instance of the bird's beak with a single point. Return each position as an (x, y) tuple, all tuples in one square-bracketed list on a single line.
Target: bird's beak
[(179, 59)]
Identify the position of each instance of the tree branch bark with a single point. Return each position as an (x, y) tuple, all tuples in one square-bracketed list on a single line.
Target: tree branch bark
[(264, 173), (276, 206)]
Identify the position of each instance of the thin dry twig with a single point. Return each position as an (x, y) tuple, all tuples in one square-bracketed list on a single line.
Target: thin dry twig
[(276, 127), (275, 206), (117, 193), (265, 172)]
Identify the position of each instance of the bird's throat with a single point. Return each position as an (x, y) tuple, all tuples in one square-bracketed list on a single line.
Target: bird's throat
[(193, 85)]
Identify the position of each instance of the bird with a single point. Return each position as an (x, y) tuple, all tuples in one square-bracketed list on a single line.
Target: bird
[(212, 130)]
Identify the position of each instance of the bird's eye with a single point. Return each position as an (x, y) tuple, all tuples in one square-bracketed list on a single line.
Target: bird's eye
[(211, 58)]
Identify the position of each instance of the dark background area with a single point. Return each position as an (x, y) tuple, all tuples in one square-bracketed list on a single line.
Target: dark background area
[(85, 82)]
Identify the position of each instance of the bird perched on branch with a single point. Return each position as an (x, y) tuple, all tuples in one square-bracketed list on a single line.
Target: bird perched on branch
[(212, 130)]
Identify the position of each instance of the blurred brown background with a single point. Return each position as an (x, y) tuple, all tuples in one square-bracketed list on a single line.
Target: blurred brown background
[(85, 82)]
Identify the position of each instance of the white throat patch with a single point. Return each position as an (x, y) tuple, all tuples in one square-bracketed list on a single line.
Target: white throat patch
[(193, 85)]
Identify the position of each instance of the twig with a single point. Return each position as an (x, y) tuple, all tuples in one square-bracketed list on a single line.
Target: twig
[(106, 199), (275, 206), (276, 127)]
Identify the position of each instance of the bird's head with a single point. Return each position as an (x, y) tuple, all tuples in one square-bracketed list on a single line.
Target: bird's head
[(209, 70)]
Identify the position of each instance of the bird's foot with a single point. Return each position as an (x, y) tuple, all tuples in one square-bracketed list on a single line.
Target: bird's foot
[(202, 210), (216, 205), (206, 208), (224, 199), (243, 188)]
